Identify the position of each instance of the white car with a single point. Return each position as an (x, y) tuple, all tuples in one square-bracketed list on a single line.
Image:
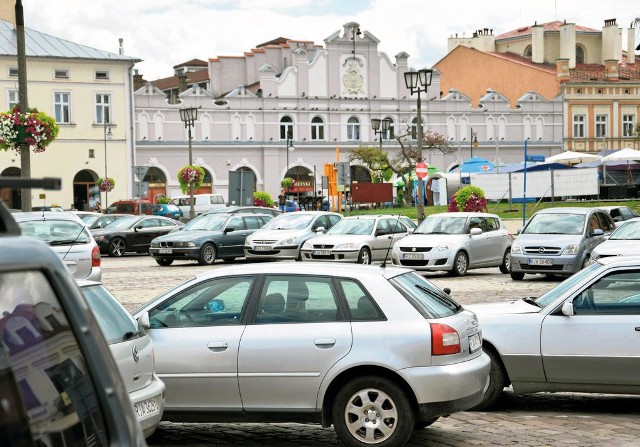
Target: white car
[(623, 241), (132, 350), (360, 239), (456, 242)]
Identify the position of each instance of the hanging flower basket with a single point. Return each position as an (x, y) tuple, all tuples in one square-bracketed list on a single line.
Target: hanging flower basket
[(35, 129), (105, 184), (190, 174), (287, 183)]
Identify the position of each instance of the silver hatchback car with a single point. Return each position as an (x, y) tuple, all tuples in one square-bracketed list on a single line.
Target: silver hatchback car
[(374, 351)]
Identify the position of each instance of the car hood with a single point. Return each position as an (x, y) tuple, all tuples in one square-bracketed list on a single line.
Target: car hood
[(428, 240), (514, 307), (548, 239), (618, 247), (333, 239), (179, 235), (276, 235)]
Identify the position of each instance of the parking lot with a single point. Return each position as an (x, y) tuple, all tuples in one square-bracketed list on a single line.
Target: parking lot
[(535, 420)]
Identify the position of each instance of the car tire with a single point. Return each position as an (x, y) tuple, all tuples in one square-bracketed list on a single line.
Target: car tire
[(207, 254), (460, 264), (117, 247), (585, 263), (364, 257), (497, 381), (517, 276), (505, 267), (426, 423), (164, 262), (358, 409)]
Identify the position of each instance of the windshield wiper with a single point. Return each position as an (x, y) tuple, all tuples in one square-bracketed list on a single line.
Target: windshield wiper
[(63, 242), (530, 300)]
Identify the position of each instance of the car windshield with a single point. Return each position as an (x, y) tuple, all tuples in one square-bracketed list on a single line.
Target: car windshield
[(629, 231), (123, 222), (546, 299), (441, 225), (206, 222), (293, 221), (430, 301), (56, 232), (89, 219), (555, 223), (114, 321), (353, 226)]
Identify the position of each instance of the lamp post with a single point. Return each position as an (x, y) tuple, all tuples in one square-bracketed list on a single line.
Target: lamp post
[(375, 125), (188, 117), (107, 136), (474, 141), (289, 148), (416, 82)]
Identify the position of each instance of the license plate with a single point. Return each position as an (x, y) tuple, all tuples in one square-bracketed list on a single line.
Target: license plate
[(262, 248), (412, 256), (146, 407), (540, 261), (322, 252), (165, 251), (474, 343)]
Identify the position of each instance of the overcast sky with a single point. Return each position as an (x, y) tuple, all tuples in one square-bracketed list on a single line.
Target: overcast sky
[(165, 33)]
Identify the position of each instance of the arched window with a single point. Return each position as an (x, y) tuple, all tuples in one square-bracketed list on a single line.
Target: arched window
[(317, 128), (579, 55), (391, 133), (528, 51), (414, 129), (353, 129), (286, 127)]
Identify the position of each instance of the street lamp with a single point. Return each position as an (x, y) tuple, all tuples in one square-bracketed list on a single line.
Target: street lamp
[(419, 81), (107, 136), (375, 125), (188, 117), (474, 141)]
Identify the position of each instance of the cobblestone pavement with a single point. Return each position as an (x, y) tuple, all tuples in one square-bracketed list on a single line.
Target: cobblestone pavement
[(563, 419)]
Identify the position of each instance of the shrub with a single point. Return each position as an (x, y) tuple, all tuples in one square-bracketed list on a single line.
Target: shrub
[(469, 198), (163, 199), (261, 198)]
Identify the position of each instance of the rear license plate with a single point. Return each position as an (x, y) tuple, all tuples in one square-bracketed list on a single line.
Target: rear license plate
[(262, 248), (146, 407), (540, 261), (474, 343), (165, 251), (412, 256), (321, 252)]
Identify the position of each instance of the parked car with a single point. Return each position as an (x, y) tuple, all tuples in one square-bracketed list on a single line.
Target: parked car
[(558, 241), (578, 337), (67, 235), (456, 242), (374, 351), (167, 210), (361, 239), (133, 233), (59, 382), (132, 206), (201, 203), (102, 220), (411, 225), (56, 208), (623, 241), (132, 350), (283, 236), (620, 214), (247, 210), (206, 238), (291, 206)]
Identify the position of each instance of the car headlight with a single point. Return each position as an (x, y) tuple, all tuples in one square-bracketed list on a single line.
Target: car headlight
[(572, 249), (155, 244), (346, 246), (184, 244), (287, 241), (441, 247), (516, 249)]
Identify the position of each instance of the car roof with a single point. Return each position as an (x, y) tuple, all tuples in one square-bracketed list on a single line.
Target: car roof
[(569, 210), (46, 215), (465, 214)]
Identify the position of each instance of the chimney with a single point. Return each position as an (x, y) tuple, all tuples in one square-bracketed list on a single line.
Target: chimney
[(611, 41), (568, 43), (631, 46), (138, 81), (120, 46), (562, 70), (484, 40), (182, 82), (611, 69), (537, 44)]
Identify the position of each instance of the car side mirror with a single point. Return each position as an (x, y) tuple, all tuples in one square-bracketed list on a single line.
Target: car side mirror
[(447, 290), (475, 231), (567, 309), (320, 229), (598, 232), (617, 219), (137, 227), (229, 229), (143, 320), (380, 232)]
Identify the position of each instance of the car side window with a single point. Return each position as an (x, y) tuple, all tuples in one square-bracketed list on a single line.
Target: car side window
[(615, 294), (46, 394), (167, 223), (251, 223), (321, 221), (218, 302), (237, 223), (298, 299), (382, 227), (475, 222), (605, 222), (361, 305), (397, 226), (491, 224)]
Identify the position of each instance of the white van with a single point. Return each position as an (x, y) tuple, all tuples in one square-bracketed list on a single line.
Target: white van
[(201, 203)]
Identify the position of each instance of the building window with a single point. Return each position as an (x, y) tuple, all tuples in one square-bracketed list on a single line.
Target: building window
[(353, 129), (92, 153), (102, 75), (103, 108), (389, 134), (286, 127), (13, 72), (578, 126), (59, 73), (601, 126), (13, 99), (628, 125), (579, 55), (317, 128), (528, 51), (61, 106), (414, 129)]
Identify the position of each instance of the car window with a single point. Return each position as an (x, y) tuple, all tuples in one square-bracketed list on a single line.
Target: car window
[(237, 223), (149, 223), (321, 221), (555, 223), (361, 305), (605, 222), (430, 301), (113, 319), (627, 231), (333, 219), (627, 213), (44, 381), (220, 301), (491, 224), (441, 225), (397, 226), (251, 223), (56, 232), (353, 226), (382, 227), (291, 221), (475, 222), (167, 223), (615, 294), (297, 299), (124, 208)]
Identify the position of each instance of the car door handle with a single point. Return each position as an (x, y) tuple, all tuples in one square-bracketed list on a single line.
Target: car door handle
[(325, 342), (218, 345)]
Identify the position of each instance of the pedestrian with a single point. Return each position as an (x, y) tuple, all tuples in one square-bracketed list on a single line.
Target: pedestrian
[(282, 201), (97, 208)]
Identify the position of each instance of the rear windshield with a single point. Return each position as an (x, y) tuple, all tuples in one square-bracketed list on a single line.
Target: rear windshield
[(430, 301), (56, 232), (116, 323)]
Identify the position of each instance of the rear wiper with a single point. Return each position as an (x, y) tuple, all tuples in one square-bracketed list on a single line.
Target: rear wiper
[(129, 335), (530, 300), (63, 242), (445, 301)]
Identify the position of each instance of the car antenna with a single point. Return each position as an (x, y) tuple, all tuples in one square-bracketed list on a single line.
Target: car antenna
[(384, 261)]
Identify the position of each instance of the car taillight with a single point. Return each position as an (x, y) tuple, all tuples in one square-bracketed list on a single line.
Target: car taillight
[(95, 257), (444, 340)]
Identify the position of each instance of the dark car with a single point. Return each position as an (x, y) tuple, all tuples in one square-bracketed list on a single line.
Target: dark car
[(247, 210), (133, 233), (168, 210), (102, 220), (208, 237)]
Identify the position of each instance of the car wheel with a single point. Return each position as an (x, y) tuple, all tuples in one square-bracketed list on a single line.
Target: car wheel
[(460, 264), (164, 262), (505, 267), (117, 247), (585, 263), (207, 254), (426, 423), (496, 382), (372, 411), (517, 276), (364, 257)]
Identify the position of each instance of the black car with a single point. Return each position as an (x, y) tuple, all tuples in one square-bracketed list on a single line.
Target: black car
[(132, 233), (273, 212), (208, 237)]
